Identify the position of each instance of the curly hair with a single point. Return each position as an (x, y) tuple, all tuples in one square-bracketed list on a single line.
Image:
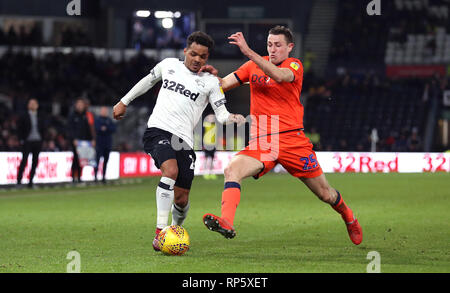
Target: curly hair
[(200, 38)]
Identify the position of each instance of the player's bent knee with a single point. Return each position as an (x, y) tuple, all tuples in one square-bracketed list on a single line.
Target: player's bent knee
[(171, 172), (227, 172), (231, 173)]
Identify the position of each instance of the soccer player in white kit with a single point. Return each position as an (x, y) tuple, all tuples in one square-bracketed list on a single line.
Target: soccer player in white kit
[(184, 95)]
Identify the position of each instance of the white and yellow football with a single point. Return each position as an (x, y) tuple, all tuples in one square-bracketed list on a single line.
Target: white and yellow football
[(174, 240)]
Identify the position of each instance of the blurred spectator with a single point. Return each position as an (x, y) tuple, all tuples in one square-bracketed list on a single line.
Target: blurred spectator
[(365, 144), (124, 147), (13, 143), (308, 60), (359, 147), (329, 148), (104, 127), (11, 38), (50, 146), (414, 143), (138, 30), (149, 38), (389, 142), (31, 132), (209, 145), (78, 130), (62, 143), (90, 118), (343, 145), (401, 144), (430, 46), (172, 39)]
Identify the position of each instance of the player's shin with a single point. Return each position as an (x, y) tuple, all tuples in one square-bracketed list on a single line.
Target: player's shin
[(164, 200), (231, 197), (179, 214), (340, 207)]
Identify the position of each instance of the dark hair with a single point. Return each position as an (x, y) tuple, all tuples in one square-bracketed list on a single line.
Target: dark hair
[(282, 30), (200, 38)]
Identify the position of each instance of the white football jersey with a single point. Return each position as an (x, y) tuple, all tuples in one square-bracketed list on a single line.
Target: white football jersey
[(182, 98)]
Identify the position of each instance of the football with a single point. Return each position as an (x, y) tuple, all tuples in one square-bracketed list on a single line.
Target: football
[(174, 240)]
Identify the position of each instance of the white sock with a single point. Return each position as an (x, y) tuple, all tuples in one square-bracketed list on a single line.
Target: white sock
[(179, 214), (164, 200)]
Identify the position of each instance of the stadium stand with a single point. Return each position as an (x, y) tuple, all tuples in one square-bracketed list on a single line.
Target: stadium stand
[(407, 32), (356, 96), (352, 98), (56, 80), (418, 42), (346, 110)]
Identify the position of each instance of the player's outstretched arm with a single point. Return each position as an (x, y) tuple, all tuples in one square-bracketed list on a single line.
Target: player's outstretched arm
[(229, 82), (225, 117), (277, 74), (139, 89)]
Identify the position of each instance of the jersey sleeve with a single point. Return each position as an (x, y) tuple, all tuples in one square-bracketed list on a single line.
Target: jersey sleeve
[(217, 101), (296, 67), (144, 84), (243, 73), (90, 118)]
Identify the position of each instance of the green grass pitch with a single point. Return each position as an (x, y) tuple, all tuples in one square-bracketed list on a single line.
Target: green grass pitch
[(281, 227)]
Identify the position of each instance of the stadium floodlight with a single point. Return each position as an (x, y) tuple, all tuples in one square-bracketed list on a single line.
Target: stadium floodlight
[(143, 13), (177, 14), (167, 23), (163, 14)]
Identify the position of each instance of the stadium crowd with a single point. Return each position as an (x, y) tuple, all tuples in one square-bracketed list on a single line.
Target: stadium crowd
[(355, 32), (57, 79), (344, 110), (23, 36), (31, 35)]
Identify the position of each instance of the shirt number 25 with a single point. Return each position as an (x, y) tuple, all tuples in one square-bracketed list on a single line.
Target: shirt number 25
[(309, 162)]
